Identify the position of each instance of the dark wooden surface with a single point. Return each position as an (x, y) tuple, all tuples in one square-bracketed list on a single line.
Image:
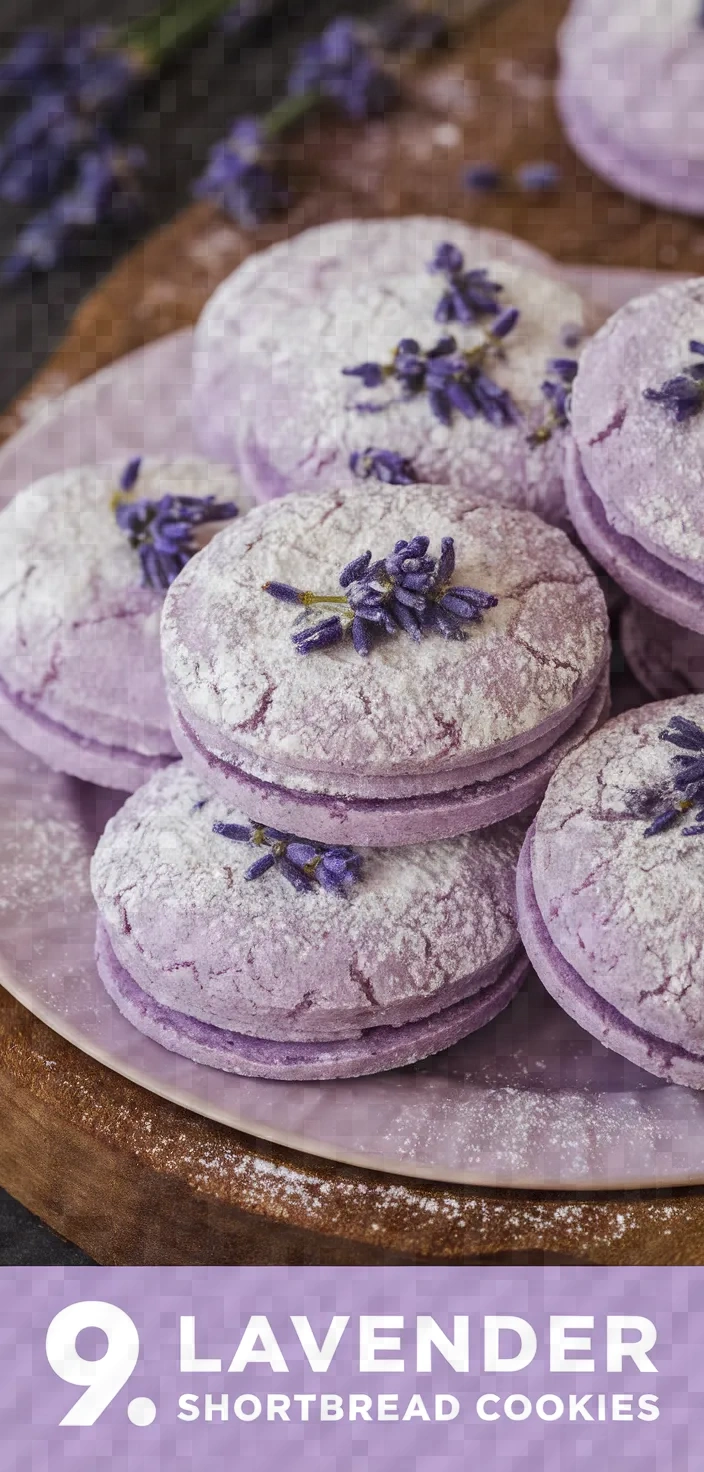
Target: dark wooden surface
[(125, 1176)]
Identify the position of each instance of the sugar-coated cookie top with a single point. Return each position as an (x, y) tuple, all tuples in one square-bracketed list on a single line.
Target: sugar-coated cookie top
[(344, 252), (645, 465), (625, 910), (273, 341), (231, 667), (181, 915), (72, 611), (640, 69)]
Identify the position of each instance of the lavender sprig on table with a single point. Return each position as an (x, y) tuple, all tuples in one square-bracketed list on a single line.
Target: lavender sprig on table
[(334, 867), (340, 66), (687, 780), (453, 378), (106, 192), (405, 592), (383, 465), (557, 389), (537, 177), (60, 150), (243, 176), (162, 530), (682, 396)]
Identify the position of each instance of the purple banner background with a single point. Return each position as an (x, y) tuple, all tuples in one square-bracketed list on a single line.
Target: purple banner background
[(34, 1400)]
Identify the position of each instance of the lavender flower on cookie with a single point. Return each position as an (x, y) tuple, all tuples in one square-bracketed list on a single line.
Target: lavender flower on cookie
[(406, 591), (469, 295), (557, 390), (453, 378), (683, 395), (688, 778), (384, 465), (162, 531), (334, 867)]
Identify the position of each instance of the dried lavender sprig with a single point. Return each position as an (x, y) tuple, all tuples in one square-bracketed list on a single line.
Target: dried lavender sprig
[(385, 465), (243, 176), (469, 295), (162, 530), (78, 83), (407, 591), (334, 867), (341, 66), (683, 395), (687, 779), (452, 378), (557, 389)]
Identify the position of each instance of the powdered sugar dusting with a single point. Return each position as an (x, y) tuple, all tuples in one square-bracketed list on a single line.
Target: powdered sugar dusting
[(626, 911), (79, 636), (297, 422), (644, 466), (408, 708), (300, 312), (260, 957)]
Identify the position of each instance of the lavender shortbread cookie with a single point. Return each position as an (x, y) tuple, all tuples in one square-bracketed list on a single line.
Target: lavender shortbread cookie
[(386, 666), (610, 887), (272, 390), (261, 955), (666, 659), (629, 93), (80, 663), (633, 464)]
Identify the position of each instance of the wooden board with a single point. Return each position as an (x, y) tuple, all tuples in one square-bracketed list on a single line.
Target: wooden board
[(129, 1177)]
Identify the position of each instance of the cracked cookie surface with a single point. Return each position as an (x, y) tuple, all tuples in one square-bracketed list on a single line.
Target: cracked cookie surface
[(272, 343), (79, 636), (426, 927), (642, 464), (626, 911), (411, 717)]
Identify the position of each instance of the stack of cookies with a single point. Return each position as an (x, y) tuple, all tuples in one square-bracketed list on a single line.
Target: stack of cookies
[(372, 677), (375, 642)]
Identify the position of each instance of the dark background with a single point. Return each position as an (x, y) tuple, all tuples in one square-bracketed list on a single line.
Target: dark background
[(176, 123)]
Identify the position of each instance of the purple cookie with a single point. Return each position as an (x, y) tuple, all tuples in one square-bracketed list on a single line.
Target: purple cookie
[(610, 888), (418, 740), (80, 664), (629, 93), (633, 465), (259, 975), (666, 659), (270, 392)]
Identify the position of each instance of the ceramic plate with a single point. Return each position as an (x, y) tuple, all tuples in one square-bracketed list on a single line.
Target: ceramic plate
[(530, 1101)]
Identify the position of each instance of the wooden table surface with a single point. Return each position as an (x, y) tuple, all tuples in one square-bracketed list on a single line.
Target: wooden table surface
[(129, 1177)]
